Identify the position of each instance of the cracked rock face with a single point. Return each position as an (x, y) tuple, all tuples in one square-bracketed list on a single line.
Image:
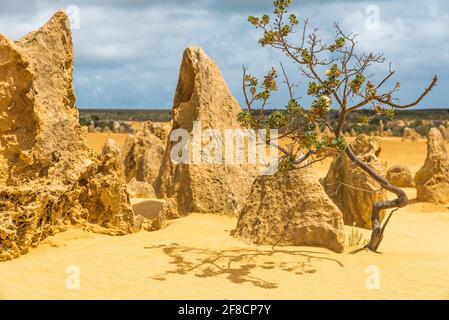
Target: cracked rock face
[(140, 189), (291, 208), (49, 177), (432, 180), (202, 95), (351, 188), (143, 153)]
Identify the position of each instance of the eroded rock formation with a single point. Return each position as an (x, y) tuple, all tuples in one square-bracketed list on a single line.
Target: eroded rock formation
[(400, 176), (111, 146), (444, 132), (49, 177), (291, 208), (202, 95), (432, 180), (351, 188), (142, 155), (140, 189), (380, 129), (410, 134), (160, 130)]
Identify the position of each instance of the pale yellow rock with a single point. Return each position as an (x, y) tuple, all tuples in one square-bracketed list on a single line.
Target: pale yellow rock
[(400, 176), (353, 190), (142, 155), (160, 130), (111, 146), (410, 134), (48, 174), (203, 95), (140, 189), (291, 208), (444, 132), (380, 128), (170, 209), (432, 180)]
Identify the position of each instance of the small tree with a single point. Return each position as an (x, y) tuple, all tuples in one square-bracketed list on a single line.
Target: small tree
[(337, 74)]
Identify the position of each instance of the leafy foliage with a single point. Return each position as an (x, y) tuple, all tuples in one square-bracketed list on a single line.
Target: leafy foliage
[(337, 76)]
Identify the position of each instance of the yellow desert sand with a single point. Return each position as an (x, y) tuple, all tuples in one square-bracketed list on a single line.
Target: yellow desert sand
[(196, 257)]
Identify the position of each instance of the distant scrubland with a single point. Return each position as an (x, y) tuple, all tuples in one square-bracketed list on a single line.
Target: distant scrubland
[(421, 120)]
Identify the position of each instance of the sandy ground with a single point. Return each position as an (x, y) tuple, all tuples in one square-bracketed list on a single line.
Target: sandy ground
[(196, 257)]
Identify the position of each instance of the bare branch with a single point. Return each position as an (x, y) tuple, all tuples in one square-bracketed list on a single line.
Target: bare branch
[(416, 102)]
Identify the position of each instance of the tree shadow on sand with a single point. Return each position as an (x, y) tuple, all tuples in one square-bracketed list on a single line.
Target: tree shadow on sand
[(236, 265)]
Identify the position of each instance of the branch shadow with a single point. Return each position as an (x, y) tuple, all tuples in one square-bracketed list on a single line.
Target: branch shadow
[(237, 265)]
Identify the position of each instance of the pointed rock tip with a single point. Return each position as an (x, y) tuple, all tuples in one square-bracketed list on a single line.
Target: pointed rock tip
[(59, 16), (195, 50), (196, 53), (58, 22)]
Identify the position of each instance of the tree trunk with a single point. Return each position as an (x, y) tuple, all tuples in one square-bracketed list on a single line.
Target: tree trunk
[(399, 202)]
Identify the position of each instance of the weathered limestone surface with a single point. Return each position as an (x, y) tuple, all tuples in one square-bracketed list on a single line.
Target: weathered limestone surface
[(142, 155), (432, 180), (291, 208), (351, 188), (400, 176), (49, 177), (202, 95)]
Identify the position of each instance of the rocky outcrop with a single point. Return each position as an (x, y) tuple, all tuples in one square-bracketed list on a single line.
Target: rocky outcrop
[(142, 155), (140, 189), (160, 130), (111, 146), (208, 186), (380, 128), (291, 208), (432, 180), (351, 188), (121, 127), (49, 177), (170, 209), (444, 132), (400, 176), (410, 134), (99, 198), (91, 127), (153, 224)]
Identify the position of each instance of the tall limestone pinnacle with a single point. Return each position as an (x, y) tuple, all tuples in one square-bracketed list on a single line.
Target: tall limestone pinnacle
[(48, 175), (202, 95), (432, 180), (42, 112)]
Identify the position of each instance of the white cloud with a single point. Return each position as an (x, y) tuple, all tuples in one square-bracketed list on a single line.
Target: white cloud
[(128, 54)]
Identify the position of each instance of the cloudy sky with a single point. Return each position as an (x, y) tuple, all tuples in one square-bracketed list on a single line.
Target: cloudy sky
[(128, 52)]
